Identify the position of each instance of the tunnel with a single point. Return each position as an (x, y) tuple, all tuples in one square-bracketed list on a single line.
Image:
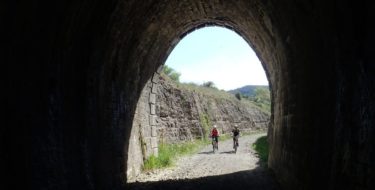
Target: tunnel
[(76, 69)]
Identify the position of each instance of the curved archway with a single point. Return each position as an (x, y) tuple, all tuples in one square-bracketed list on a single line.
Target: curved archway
[(263, 41), (147, 124)]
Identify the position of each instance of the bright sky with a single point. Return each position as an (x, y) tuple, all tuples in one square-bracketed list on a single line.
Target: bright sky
[(219, 55)]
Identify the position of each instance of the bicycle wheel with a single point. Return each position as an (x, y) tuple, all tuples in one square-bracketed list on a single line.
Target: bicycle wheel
[(213, 146), (235, 145)]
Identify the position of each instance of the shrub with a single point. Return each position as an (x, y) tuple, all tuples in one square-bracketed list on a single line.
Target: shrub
[(205, 124), (171, 73), (168, 152), (175, 76), (261, 147), (209, 84), (238, 95)]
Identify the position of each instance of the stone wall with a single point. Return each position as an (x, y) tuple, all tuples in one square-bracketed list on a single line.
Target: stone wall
[(143, 140)]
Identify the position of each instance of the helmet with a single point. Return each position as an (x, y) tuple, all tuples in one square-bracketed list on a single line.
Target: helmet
[(214, 126)]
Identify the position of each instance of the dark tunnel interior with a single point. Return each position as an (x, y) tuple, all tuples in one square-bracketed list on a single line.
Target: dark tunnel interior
[(76, 69)]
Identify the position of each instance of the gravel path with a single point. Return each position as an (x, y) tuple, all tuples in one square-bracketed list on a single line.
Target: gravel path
[(222, 169)]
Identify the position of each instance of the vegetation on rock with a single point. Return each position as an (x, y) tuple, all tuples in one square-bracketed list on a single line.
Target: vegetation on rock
[(258, 96), (171, 73), (206, 125)]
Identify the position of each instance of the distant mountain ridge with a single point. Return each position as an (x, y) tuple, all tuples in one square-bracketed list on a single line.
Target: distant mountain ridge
[(248, 90)]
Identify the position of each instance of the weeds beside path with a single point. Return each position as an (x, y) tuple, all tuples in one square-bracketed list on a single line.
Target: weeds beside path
[(261, 147)]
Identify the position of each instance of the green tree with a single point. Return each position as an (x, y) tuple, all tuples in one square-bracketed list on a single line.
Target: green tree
[(167, 70), (262, 98), (262, 95), (171, 73), (238, 95), (175, 76), (209, 84)]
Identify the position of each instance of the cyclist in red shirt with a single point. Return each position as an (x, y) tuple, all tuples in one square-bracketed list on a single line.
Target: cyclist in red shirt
[(215, 135)]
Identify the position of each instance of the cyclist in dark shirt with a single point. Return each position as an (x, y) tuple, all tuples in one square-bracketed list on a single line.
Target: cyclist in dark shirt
[(236, 135)]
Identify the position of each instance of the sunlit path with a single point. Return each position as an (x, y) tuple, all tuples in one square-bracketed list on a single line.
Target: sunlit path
[(223, 167)]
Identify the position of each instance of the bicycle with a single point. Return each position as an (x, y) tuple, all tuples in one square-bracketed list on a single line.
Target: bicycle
[(214, 144), (235, 143), (235, 134)]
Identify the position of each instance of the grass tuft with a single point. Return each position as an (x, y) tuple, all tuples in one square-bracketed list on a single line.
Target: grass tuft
[(169, 152), (261, 147)]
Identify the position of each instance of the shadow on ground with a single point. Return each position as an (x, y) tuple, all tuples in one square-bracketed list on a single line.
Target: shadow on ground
[(228, 152), (207, 152), (224, 152), (258, 178)]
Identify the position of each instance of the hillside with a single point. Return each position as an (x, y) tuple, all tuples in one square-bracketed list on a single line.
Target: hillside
[(188, 111), (248, 90)]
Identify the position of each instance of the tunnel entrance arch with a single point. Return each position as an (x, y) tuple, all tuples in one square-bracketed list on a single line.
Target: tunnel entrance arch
[(160, 37), (144, 137)]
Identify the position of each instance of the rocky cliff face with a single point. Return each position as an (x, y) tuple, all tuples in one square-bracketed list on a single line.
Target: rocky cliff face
[(183, 114), (170, 113)]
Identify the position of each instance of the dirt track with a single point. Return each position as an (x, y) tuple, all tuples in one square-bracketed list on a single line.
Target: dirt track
[(223, 169)]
